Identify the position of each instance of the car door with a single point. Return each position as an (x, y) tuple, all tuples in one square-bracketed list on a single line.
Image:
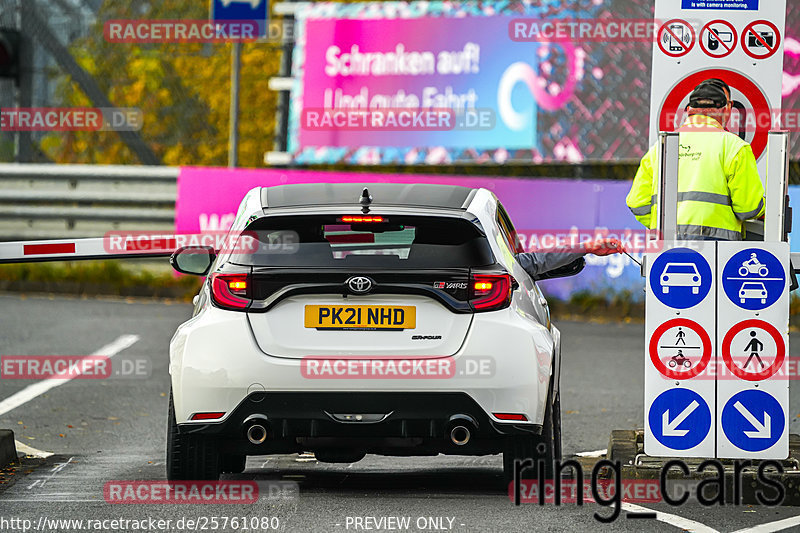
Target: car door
[(535, 304)]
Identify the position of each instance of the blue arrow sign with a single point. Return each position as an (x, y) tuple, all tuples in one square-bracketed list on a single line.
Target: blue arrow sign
[(680, 278), (753, 420), (753, 279), (679, 419), (241, 11)]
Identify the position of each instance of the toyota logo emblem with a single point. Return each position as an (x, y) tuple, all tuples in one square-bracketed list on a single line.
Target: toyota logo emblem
[(359, 284)]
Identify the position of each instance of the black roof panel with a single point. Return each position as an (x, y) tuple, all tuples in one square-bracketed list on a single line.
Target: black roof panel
[(383, 194)]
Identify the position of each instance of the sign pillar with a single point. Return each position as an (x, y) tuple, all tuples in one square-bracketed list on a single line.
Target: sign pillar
[(753, 343), (679, 332), (717, 313)]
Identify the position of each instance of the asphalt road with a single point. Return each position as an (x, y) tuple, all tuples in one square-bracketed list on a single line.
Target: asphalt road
[(114, 429)]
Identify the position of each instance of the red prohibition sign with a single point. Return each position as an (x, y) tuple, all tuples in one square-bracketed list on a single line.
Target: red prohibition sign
[(750, 30), (671, 36), (723, 47), (767, 372), (686, 323), (758, 102)]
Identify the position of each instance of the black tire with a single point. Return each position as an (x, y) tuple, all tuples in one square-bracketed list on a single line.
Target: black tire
[(189, 457), (543, 449)]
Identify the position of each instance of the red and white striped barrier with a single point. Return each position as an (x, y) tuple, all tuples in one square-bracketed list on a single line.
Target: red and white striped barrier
[(125, 244), (83, 249)]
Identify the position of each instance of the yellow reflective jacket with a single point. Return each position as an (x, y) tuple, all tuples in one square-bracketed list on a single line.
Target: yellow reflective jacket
[(718, 183)]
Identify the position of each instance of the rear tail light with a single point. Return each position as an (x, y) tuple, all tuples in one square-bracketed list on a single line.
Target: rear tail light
[(207, 416), (515, 417), (490, 292), (230, 291)]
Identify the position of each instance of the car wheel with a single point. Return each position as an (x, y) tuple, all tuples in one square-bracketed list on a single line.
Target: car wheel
[(695, 290), (665, 290), (741, 300), (189, 457), (544, 448)]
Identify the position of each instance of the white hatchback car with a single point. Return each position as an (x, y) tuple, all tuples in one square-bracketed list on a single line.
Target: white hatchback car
[(282, 351)]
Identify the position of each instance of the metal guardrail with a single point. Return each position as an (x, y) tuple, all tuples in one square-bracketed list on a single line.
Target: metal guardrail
[(72, 201)]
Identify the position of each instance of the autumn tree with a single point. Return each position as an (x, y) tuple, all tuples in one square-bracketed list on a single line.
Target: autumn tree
[(183, 90)]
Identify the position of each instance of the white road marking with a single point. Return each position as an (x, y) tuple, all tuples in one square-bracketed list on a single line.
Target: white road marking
[(32, 391), (671, 519), (769, 527), (596, 453), (27, 450), (56, 469)]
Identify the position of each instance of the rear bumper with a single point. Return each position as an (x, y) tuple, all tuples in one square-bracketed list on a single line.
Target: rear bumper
[(216, 366), (300, 421)]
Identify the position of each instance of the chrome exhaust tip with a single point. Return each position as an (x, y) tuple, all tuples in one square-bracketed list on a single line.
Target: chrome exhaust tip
[(256, 434), (460, 435)]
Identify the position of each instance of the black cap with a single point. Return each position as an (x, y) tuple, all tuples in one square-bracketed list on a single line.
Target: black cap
[(710, 93)]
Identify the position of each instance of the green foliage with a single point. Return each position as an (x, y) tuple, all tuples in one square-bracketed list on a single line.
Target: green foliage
[(183, 89), (95, 277)]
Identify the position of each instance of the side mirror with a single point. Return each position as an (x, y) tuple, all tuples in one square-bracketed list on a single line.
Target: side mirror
[(193, 260), (571, 269)]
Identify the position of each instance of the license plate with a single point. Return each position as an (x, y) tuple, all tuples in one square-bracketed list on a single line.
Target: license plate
[(360, 317)]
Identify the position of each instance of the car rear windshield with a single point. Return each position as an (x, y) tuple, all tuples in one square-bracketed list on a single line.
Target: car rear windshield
[(364, 241)]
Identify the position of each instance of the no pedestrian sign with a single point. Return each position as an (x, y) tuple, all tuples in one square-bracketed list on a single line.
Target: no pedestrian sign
[(753, 350)]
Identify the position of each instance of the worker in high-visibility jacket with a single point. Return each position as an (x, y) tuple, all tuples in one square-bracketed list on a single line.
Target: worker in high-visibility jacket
[(718, 182)]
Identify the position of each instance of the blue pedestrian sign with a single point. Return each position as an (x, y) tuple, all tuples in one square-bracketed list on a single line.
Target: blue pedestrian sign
[(753, 279), (255, 11), (753, 420), (680, 278), (679, 419)]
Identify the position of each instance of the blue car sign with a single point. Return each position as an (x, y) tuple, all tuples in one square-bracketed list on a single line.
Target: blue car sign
[(680, 278)]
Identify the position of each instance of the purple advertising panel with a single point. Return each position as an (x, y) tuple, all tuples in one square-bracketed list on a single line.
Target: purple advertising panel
[(542, 210)]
